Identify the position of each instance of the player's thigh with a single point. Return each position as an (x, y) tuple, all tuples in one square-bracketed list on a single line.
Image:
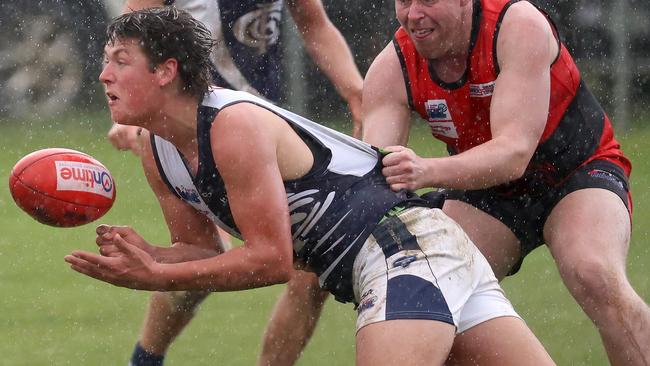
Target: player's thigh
[(404, 342), (589, 228), (500, 341), (304, 287), (495, 240)]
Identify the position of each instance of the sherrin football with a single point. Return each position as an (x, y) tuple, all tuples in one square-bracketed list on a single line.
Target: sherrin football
[(62, 187)]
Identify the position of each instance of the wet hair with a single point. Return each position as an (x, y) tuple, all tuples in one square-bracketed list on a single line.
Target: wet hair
[(165, 33)]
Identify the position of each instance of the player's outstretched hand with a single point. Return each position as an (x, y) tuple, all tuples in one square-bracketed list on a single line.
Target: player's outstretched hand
[(403, 169), (106, 234), (129, 266)]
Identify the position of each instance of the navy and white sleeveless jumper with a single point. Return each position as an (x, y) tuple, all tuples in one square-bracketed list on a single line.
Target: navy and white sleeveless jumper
[(333, 208)]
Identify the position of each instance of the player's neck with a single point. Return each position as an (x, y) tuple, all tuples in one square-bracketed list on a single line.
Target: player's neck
[(177, 123), (450, 68)]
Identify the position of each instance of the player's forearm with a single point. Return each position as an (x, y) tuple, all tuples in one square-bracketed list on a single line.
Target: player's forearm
[(386, 125), (182, 252), (486, 165), (330, 52), (238, 269), (132, 5)]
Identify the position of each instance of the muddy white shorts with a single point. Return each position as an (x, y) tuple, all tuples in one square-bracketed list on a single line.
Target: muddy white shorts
[(419, 264)]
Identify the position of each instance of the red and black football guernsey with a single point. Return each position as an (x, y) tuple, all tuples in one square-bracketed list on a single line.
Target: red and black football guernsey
[(577, 130)]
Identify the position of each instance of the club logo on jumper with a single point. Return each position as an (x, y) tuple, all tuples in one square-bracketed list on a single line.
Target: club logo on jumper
[(260, 28), (188, 194), (439, 118), (83, 177), (368, 300), (481, 90)]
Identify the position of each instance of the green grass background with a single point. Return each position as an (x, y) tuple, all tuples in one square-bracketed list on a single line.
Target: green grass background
[(50, 315)]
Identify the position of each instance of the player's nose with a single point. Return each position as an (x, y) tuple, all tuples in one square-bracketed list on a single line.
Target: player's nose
[(105, 76)]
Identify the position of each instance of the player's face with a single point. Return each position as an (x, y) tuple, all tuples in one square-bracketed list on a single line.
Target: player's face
[(435, 26), (131, 86)]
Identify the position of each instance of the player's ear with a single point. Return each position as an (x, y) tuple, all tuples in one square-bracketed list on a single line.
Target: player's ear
[(167, 71)]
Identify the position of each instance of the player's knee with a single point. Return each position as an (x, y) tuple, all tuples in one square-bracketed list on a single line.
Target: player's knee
[(595, 280), (185, 302)]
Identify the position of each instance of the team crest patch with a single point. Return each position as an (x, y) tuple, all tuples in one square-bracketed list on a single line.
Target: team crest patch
[(481, 90), (437, 110), (439, 118)]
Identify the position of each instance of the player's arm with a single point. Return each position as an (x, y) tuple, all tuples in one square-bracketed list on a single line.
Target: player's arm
[(193, 235), (386, 113), (132, 5), (187, 226), (245, 153), (327, 47), (518, 113), (519, 107)]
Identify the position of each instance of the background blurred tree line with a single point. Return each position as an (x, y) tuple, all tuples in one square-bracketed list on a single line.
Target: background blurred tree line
[(610, 41)]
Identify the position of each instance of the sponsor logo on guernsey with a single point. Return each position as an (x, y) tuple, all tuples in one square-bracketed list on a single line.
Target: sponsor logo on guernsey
[(481, 90), (188, 194), (83, 177), (368, 300), (439, 118)]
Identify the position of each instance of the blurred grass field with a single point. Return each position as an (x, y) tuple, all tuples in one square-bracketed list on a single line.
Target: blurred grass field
[(50, 315)]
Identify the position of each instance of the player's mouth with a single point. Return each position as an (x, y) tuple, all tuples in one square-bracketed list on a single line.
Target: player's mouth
[(421, 33), (112, 98)]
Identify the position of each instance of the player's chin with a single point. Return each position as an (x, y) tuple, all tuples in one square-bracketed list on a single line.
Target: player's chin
[(123, 118), (116, 116)]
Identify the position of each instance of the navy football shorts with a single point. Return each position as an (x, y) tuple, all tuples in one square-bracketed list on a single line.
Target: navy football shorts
[(526, 214)]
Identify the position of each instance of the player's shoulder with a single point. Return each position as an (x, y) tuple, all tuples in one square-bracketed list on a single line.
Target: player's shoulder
[(244, 118), (388, 56), (147, 154), (155, 153), (525, 30), (385, 70), (219, 98), (524, 15), (386, 65)]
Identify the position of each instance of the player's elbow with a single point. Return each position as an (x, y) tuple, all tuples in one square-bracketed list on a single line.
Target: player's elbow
[(283, 276), (276, 268), (518, 161), (276, 274)]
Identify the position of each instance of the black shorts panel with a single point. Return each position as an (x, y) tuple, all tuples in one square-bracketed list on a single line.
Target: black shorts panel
[(526, 214)]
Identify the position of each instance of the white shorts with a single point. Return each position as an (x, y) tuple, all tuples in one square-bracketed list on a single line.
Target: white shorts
[(420, 264)]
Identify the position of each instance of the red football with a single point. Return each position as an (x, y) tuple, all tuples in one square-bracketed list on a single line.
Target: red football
[(62, 187)]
